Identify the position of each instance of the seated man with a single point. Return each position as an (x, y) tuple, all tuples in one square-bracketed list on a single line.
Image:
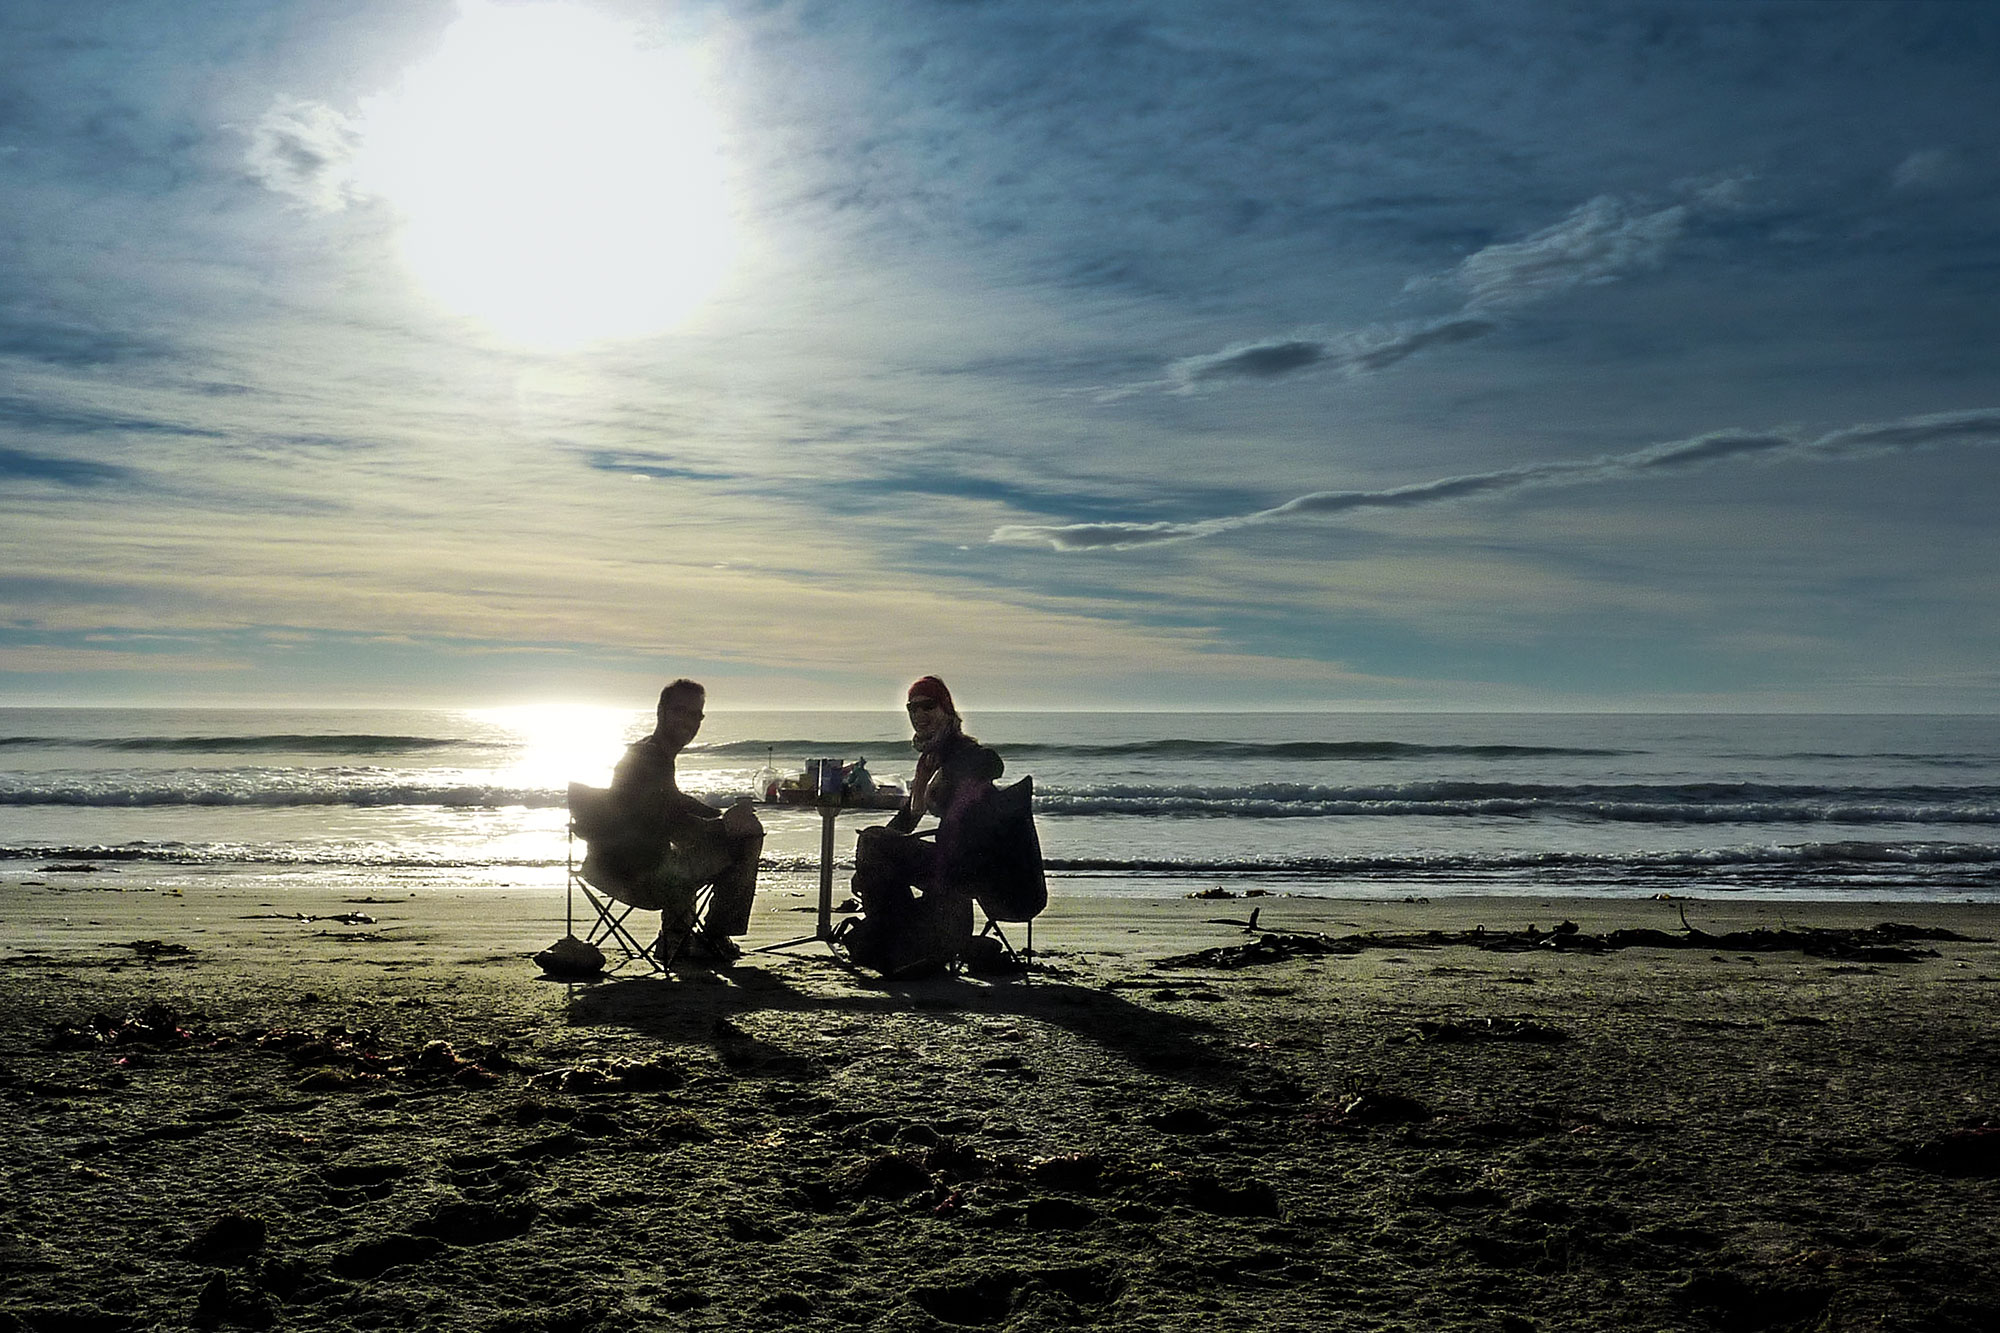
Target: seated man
[(901, 932), (658, 846)]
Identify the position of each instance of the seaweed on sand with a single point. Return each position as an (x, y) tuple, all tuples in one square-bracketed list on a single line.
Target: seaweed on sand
[(1888, 942)]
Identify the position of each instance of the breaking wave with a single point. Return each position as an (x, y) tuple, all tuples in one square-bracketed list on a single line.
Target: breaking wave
[(1694, 803), (359, 745), (1853, 865)]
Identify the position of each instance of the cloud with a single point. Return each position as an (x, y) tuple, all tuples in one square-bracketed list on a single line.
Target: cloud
[(1928, 169), (1981, 426), (19, 465), (1359, 353), (306, 150), (69, 345), (1599, 242), (1252, 361), (640, 463), (27, 413)]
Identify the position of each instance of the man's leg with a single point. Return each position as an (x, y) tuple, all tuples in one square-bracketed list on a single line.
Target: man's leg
[(735, 889), (706, 855), (675, 894)]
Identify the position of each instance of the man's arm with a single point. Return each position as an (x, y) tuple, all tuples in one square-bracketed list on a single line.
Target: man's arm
[(644, 786), (679, 806)]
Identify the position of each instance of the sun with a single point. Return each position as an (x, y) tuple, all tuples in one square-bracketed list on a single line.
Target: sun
[(557, 177)]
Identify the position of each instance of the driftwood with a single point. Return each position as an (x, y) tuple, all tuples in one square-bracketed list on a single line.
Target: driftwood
[(1884, 943)]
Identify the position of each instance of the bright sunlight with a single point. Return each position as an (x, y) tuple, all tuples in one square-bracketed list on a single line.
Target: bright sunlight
[(559, 178), (562, 743)]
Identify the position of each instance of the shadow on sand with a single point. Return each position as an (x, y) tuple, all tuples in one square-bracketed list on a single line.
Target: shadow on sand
[(704, 1007)]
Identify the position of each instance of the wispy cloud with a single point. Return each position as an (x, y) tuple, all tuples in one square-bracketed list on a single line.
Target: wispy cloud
[(20, 465), (33, 415), (1981, 426), (1929, 169), (307, 151), (69, 345), (1602, 241), (647, 466), (1598, 243), (1358, 353)]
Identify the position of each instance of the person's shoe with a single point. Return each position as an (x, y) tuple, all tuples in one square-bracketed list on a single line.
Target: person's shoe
[(706, 948)]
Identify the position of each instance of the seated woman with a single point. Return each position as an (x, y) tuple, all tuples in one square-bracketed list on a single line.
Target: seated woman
[(913, 922), (656, 846)]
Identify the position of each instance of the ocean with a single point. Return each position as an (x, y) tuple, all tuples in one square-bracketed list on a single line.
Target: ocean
[(1367, 805)]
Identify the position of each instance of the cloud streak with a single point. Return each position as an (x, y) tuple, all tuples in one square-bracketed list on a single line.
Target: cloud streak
[(1361, 353), (1600, 242), (1977, 427), (20, 465)]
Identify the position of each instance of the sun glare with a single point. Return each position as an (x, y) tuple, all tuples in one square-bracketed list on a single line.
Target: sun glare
[(564, 743), (558, 178)]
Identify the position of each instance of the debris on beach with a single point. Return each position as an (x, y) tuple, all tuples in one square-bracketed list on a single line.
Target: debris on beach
[(74, 868), (1485, 1029), (1888, 942), (343, 918), (151, 951), (662, 1073), (156, 1026), (345, 1057)]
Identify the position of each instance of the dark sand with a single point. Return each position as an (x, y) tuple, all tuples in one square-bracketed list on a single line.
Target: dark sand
[(1431, 1136)]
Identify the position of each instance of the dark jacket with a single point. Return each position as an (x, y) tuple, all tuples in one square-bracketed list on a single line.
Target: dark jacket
[(651, 811), (963, 761)]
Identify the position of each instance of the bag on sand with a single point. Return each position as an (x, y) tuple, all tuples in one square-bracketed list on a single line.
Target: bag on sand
[(901, 945), (571, 957)]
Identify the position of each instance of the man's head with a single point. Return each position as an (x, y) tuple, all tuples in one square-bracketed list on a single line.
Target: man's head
[(680, 712), (931, 712)]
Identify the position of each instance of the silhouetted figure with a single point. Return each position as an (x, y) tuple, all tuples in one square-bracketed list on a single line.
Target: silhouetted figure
[(659, 845), (914, 921)]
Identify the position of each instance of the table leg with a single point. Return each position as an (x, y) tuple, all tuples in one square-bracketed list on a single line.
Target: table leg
[(827, 814)]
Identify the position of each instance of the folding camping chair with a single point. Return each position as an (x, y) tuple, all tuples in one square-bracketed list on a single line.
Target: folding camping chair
[(611, 902), (1003, 861)]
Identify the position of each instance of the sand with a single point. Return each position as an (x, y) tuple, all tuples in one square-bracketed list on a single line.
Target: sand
[(219, 1114)]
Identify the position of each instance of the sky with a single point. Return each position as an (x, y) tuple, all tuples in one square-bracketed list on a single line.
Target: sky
[(1349, 354)]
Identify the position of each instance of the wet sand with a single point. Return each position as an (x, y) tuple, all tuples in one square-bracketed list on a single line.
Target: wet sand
[(220, 1113)]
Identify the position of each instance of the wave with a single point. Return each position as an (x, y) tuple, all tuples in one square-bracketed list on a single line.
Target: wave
[(1847, 853), (365, 744), (1620, 803), (1695, 803), (1691, 803), (471, 796), (1173, 749), (1825, 864), (278, 743)]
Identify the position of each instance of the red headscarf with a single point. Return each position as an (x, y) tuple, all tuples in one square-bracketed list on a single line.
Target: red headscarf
[(930, 687)]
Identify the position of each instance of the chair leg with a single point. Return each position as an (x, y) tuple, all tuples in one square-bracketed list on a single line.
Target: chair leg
[(611, 926), (691, 926)]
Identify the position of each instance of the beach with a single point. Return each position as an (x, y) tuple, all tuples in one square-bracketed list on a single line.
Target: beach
[(225, 1107)]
